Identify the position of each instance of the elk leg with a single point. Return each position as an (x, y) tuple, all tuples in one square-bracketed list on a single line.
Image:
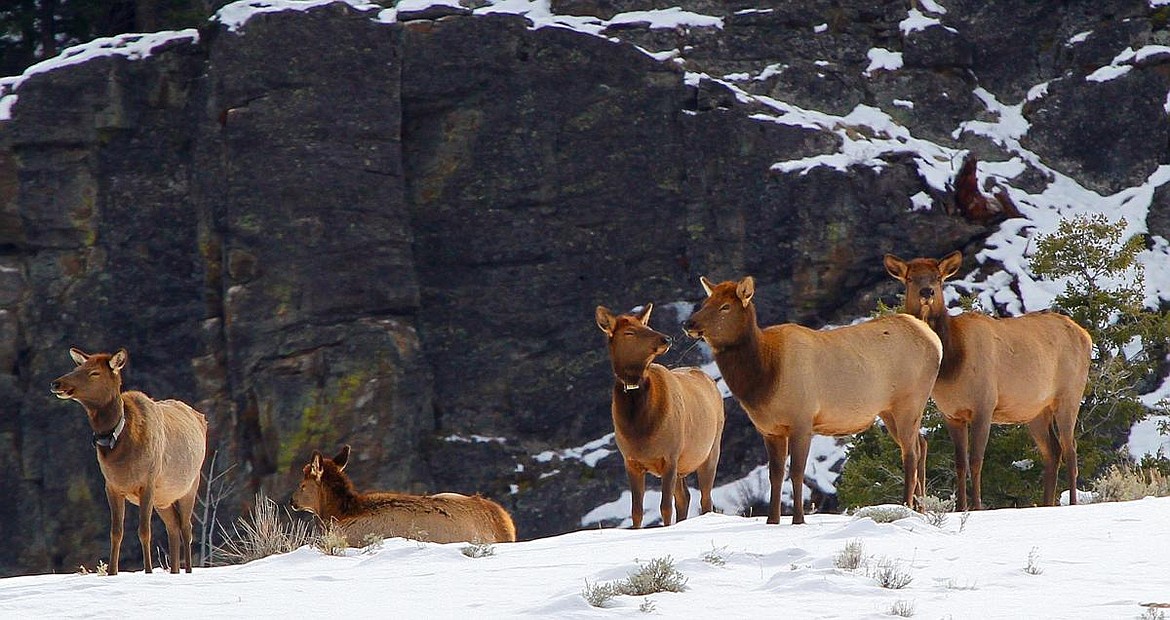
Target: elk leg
[(682, 499), (637, 490), (171, 519), (958, 433), (117, 523), (798, 446), (910, 471), (669, 476), (145, 512), (1066, 429), (185, 507), (922, 451), (1040, 428), (909, 442), (980, 430), (707, 477), (777, 453)]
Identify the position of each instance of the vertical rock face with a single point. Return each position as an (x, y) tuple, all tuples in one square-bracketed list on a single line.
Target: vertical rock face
[(322, 229)]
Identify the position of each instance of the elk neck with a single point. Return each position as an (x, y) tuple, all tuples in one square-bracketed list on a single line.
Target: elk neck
[(108, 421), (745, 365), (952, 349), (633, 408)]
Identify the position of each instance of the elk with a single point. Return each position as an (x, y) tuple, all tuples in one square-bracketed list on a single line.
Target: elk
[(794, 381), (1031, 369), (666, 422), (328, 492), (150, 452), (974, 205)]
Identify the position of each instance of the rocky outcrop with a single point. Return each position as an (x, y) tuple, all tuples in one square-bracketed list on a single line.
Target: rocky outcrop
[(322, 228)]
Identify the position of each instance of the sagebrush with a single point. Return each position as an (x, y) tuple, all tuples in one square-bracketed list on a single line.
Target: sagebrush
[(1122, 483), (267, 530), (657, 575)]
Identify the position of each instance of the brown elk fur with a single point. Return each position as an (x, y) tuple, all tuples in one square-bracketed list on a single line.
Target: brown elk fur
[(153, 462), (974, 205), (666, 422), (794, 381), (327, 491), (1030, 369)]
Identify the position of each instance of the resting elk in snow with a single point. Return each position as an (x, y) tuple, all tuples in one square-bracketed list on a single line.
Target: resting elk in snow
[(794, 381), (973, 204), (150, 452), (1030, 369), (666, 422), (327, 492)]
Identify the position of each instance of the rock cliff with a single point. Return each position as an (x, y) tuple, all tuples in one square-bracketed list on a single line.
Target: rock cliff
[(346, 225)]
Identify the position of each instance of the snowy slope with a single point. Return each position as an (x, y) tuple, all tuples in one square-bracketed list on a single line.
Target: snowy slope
[(1089, 561)]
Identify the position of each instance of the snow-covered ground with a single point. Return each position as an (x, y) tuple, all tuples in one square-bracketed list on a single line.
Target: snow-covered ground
[(1087, 561)]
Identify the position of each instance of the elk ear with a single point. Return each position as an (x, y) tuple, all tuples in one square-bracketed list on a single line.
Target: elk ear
[(707, 286), (606, 320), (342, 458), (78, 355), (895, 266), (950, 264), (745, 289), (315, 465), (118, 360), (645, 316)]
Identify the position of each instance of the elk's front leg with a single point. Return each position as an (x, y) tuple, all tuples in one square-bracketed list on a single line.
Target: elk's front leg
[(117, 522), (777, 453), (145, 512), (666, 506), (637, 477)]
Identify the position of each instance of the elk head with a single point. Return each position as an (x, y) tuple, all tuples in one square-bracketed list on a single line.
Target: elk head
[(632, 344), (310, 495), (727, 314), (924, 279), (96, 380)]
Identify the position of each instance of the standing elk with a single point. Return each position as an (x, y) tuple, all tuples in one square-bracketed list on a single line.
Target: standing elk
[(328, 492), (150, 453), (1030, 369), (666, 422), (794, 381)]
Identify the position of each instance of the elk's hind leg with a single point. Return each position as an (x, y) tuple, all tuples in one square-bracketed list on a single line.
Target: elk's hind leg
[(1040, 428), (185, 507), (173, 520)]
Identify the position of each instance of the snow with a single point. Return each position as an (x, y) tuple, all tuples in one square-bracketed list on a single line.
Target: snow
[(883, 60), (236, 15), (1146, 438), (916, 21), (129, 46), (590, 453), (930, 6), (474, 439), (1089, 561)]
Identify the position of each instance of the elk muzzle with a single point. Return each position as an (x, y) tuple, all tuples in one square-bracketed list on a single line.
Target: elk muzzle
[(60, 390)]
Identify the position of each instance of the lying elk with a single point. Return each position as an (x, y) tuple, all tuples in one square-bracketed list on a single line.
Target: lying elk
[(794, 381), (327, 492), (150, 453), (1029, 369), (666, 422)]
